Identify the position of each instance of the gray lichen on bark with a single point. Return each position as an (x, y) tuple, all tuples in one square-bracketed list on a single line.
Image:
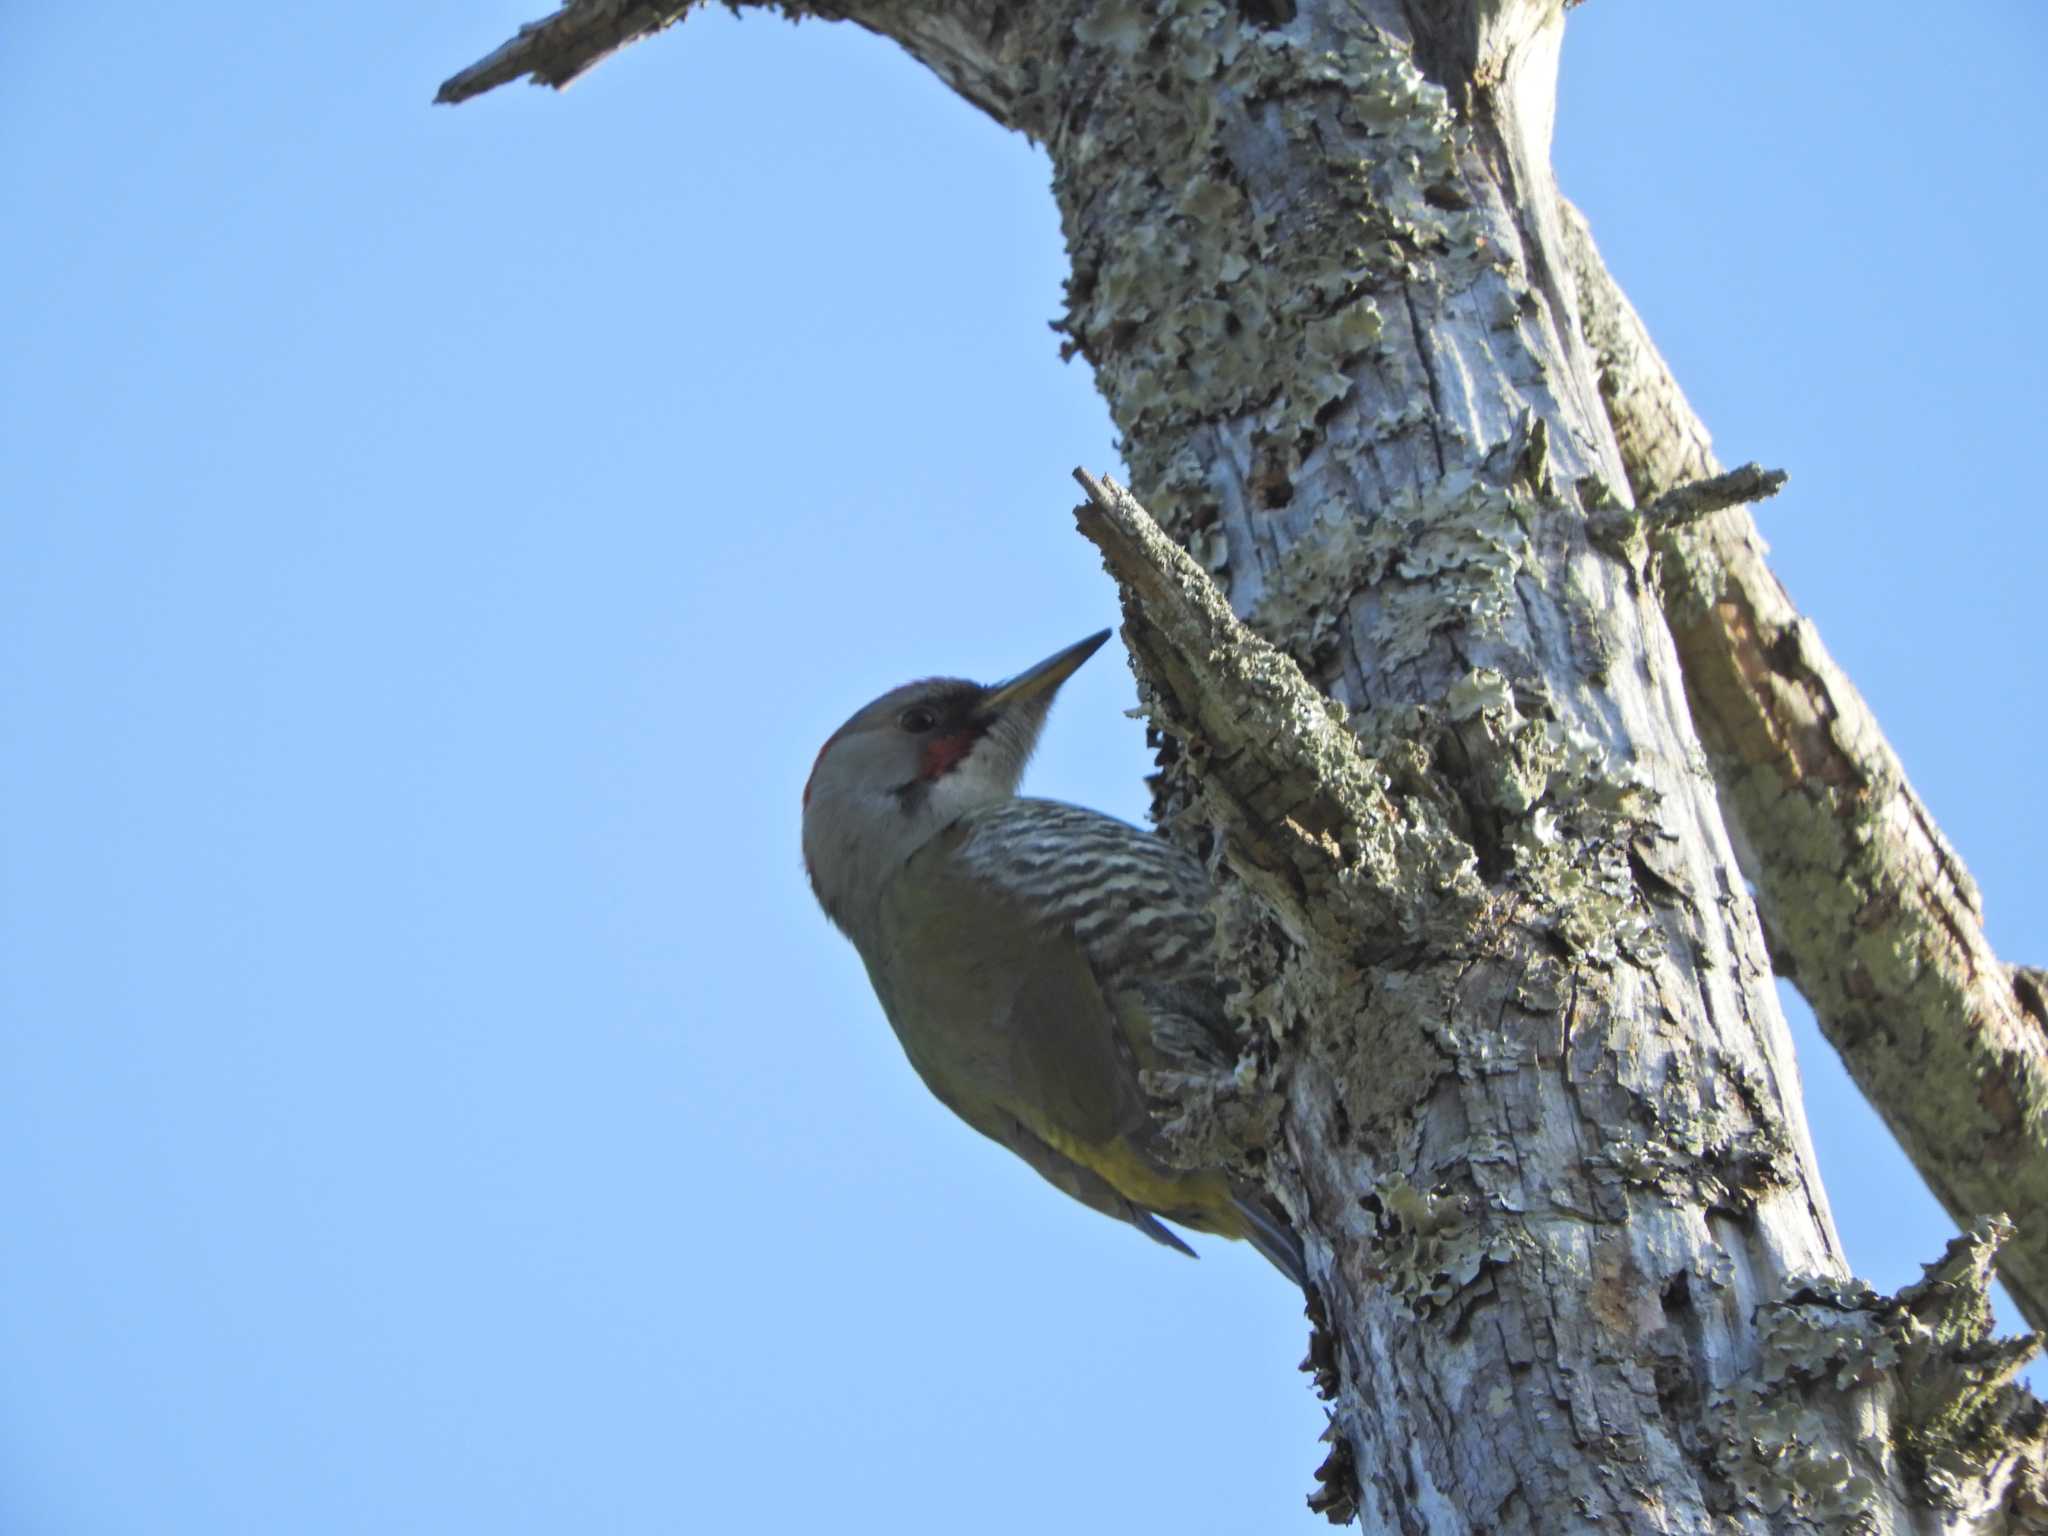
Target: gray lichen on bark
[(1837, 1359), (1512, 1052)]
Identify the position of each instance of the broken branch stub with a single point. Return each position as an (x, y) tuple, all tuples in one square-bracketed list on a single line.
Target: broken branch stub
[(1308, 811)]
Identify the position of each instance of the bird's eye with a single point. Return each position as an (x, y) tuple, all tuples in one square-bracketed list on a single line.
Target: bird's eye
[(917, 719)]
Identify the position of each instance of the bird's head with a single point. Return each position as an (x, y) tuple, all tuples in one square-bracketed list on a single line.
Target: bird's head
[(914, 761)]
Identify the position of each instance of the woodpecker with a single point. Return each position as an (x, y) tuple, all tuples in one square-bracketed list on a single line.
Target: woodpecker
[(1034, 958)]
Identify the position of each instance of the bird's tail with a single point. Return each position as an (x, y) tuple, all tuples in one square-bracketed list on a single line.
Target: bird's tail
[(1267, 1229)]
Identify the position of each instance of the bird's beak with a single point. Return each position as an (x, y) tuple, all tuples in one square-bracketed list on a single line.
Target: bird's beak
[(1037, 686)]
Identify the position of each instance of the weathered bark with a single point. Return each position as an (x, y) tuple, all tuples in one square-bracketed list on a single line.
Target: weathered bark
[(1513, 1054), (1866, 908), (1850, 1410)]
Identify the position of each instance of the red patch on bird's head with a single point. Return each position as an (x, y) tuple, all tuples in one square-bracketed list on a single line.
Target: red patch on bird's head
[(942, 754)]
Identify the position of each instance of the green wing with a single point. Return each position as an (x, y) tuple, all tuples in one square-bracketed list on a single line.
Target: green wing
[(1007, 1022)]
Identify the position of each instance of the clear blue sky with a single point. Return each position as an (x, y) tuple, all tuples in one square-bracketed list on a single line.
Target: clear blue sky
[(433, 545)]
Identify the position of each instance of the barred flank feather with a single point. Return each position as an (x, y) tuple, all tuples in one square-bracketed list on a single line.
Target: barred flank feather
[(1136, 904)]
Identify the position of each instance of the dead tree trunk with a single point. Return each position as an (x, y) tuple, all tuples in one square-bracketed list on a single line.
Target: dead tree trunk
[(1513, 1056)]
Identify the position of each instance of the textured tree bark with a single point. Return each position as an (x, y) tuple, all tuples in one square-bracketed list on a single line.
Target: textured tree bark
[(1513, 1056), (1867, 909)]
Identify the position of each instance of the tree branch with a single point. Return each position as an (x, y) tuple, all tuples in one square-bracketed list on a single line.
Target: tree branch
[(973, 45), (1686, 504), (558, 48), (1867, 909)]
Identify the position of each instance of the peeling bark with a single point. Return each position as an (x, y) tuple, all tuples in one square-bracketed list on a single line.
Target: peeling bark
[(1513, 1058), (1867, 909)]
